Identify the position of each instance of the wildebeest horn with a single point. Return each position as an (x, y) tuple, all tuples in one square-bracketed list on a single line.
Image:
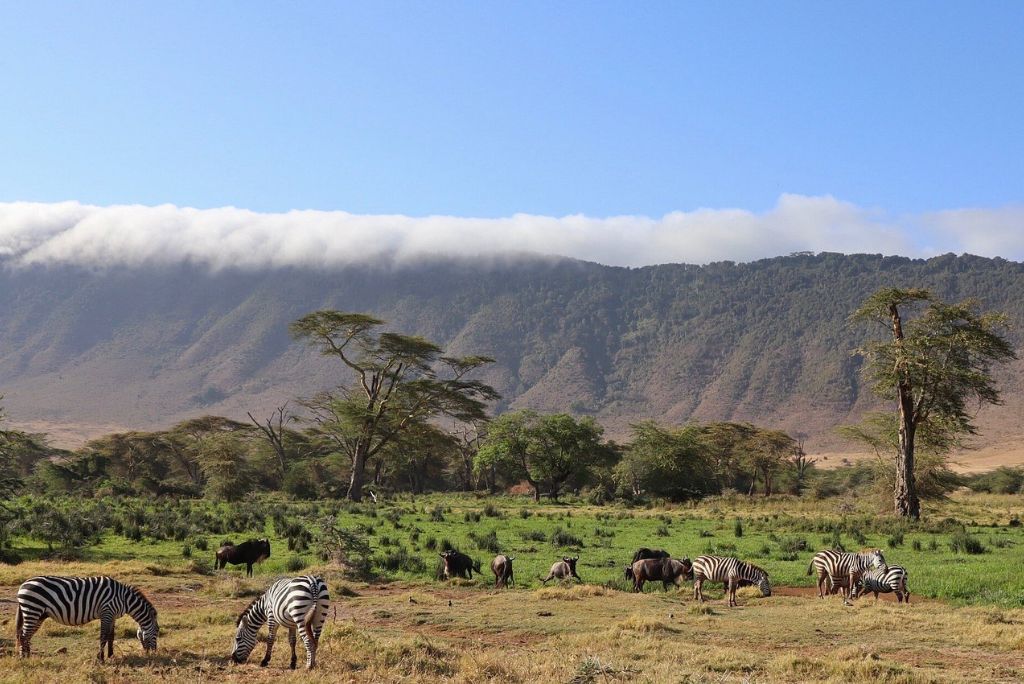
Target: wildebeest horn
[(576, 558)]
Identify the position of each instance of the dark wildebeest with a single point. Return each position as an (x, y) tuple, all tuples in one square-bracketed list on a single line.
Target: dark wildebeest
[(501, 566), (457, 564), (645, 552), (563, 570), (642, 553), (666, 570), (250, 552)]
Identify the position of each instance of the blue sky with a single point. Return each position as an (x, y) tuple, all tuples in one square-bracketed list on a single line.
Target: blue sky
[(488, 109)]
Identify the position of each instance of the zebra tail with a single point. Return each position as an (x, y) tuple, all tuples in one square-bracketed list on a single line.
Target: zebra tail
[(19, 623), (810, 568)]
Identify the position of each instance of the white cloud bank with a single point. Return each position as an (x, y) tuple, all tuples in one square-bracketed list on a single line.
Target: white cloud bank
[(132, 235)]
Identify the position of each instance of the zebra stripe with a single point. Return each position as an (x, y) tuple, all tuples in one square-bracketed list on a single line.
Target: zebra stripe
[(298, 603), (841, 568), (888, 580), (80, 600), (731, 572)]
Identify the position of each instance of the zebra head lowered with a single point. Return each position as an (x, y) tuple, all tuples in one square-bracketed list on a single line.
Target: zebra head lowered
[(142, 611), (248, 625)]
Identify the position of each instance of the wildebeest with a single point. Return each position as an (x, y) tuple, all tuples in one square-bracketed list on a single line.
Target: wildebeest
[(249, 553), (501, 566), (458, 564), (666, 570), (645, 552), (563, 570), (642, 553)]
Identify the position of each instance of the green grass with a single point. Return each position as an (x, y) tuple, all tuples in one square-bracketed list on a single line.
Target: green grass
[(781, 535)]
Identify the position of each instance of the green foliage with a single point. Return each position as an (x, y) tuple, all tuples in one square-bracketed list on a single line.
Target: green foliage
[(935, 367), (398, 383), (1002, 480), (962, 542), (562, 539), (548, 451)]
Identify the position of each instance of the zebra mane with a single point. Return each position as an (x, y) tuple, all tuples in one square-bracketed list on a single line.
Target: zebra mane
[(248, 608), (755, 568), (146, 603)]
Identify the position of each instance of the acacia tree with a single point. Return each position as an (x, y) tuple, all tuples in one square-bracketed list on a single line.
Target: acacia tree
[(547, 451), (934, 367), (399, 381), (671, 462)]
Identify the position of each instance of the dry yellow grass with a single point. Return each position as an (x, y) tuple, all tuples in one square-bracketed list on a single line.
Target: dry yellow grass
[(580, 633)]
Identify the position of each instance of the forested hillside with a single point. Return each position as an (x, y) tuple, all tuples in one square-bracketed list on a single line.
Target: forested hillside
[(85, 352)]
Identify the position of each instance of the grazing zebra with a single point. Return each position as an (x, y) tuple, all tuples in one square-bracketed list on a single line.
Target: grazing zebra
[(298, 603), (843, 568), (79, 600), (885, 580), (729, 571)]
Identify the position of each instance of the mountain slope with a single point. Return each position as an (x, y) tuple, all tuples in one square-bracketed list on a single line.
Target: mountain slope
[(85, 352)]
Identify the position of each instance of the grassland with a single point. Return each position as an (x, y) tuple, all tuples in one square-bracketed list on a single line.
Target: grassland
[(409, 627)]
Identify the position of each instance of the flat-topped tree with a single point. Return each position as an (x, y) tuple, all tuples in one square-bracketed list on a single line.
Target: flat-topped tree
[(397, 381), (934, 366)]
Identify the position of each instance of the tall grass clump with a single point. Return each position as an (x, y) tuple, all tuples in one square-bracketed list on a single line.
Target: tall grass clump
[(560, 537), (962, 542)]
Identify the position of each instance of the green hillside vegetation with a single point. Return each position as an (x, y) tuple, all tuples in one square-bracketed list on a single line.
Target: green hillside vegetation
[(766, 342)]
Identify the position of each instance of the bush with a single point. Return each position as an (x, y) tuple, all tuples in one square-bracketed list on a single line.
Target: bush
[(534, 535), (916, 545), (201, 544), (401, 560), (295, 564), (437, 514), (792, 546), (491, 511), (963, 542), (471, 516), (486, 542), (662, 531), (737, 529), (561, 538), (895, 539), (525, 513), (186, 551)]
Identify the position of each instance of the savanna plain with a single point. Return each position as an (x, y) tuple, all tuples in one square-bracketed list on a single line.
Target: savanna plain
[(399, 622)]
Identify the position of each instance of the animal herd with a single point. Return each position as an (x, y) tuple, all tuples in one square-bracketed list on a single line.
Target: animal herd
[(300, 604)]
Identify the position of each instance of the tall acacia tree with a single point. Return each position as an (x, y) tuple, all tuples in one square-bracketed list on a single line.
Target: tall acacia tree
[(934, 366), (398, 381)]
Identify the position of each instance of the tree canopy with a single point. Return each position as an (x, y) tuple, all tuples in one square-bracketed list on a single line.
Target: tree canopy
[(936, 366), (392, 383)]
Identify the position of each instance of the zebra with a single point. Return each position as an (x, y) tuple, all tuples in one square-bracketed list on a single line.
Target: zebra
[(842, 568), (298, 603), (886, 580), (729, 571), (79, 600)]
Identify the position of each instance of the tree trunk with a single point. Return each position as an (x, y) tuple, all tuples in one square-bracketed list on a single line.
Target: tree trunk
[(355, 485), (905, 494)]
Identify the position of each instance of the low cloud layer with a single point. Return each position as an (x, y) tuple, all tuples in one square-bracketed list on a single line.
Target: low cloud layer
[(132, 235)]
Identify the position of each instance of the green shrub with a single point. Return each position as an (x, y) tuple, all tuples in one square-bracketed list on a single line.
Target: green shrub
[(486, 542), (737, 529), (186, 551), (295, 564), (963, 542), (895, 539), (561, 538)]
